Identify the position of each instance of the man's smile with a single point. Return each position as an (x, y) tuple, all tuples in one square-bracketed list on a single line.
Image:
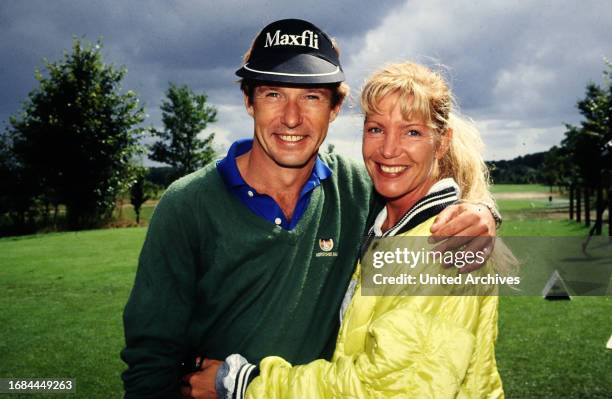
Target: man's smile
[(291, 138)]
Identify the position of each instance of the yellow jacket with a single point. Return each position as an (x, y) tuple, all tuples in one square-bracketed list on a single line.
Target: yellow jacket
[(398, 347)]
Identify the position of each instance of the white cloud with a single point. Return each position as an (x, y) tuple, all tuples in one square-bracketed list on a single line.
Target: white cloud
[(345, 134), (506, 139), (525, 86), (521, 64)]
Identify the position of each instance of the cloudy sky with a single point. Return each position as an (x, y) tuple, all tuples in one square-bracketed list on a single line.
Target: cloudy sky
[(516, 67)]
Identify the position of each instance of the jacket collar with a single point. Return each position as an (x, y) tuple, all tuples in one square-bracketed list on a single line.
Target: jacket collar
[(443, 193)]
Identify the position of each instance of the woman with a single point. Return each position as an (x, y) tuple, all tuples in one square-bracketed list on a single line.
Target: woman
[(420, 156)]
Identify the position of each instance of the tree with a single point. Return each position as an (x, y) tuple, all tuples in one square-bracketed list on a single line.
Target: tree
[(140, 191), (185, 115), (77, 134), (597, 110), (553, 171), (586, 144), (19, 194)]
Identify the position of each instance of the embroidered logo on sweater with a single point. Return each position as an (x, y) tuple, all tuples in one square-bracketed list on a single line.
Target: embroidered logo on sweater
[(326, 245)]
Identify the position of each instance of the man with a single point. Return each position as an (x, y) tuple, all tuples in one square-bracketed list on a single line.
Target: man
[(253, 255)]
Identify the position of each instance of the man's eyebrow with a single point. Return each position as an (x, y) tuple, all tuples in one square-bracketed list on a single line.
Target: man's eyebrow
[(318, 90)]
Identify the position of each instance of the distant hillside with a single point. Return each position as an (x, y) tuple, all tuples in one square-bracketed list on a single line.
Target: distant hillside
[(525, 169)]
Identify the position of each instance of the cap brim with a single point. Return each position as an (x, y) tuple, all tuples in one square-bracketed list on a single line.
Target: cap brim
[(298, 69)]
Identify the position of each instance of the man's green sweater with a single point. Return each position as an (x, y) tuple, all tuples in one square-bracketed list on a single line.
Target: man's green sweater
[(215, 279)]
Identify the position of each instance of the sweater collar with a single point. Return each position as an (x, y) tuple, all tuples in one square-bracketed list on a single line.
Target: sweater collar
[(228, 168)]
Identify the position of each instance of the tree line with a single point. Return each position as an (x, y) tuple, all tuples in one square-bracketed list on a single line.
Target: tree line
[(582, 163), (77, 144), (525, 169)]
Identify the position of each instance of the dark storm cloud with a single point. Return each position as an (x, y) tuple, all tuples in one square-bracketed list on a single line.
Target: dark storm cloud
[(517, 68), (194, 43)]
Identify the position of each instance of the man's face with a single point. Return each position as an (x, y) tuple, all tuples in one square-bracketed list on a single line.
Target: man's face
[(291, 122)]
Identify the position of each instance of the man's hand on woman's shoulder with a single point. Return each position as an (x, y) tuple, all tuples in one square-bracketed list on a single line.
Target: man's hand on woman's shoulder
[(470, 226)]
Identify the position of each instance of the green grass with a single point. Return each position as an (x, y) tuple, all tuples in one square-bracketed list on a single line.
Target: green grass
[(62, 300), (529, 205), (519, 188), (62, 297), (555, 349), (542, 227), (543, 349)]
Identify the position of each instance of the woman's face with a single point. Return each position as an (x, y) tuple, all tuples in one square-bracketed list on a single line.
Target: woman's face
[(399, 154)]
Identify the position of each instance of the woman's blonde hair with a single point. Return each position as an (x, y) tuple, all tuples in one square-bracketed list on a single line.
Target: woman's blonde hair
[(425, 95)]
